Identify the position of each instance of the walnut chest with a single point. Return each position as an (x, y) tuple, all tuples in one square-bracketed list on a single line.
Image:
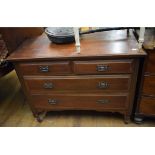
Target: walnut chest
[(102, 77)]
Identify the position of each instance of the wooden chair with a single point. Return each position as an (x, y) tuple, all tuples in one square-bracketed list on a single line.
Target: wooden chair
[(77, 32)]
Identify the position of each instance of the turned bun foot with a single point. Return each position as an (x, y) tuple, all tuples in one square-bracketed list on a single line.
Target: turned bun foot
[(39, 116), (138, 120), (39, 119)]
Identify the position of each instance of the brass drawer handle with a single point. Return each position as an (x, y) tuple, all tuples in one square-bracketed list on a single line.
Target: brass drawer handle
[(52, 101), (48, 85), (103, 101), (103, 85), (43, 68), (102, 68)]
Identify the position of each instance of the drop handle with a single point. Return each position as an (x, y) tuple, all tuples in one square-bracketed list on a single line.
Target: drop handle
[(103, 101), (48, 85), (52, 101), (102, 68), (44, 68), (103, 85)]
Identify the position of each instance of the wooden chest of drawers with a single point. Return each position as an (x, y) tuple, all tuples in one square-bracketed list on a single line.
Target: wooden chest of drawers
[(102, 77), (146, 98)]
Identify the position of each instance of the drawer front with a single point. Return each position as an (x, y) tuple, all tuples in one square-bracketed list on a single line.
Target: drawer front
[(88, 101), (150, 65), (45, 68), (102, 67), (149, 85), (78, 84), (147, 106)]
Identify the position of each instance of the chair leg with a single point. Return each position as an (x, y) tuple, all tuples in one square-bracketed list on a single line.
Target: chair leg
[(128, 32)]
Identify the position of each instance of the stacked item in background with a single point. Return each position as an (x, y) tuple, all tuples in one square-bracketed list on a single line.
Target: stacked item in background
[(5, 67)]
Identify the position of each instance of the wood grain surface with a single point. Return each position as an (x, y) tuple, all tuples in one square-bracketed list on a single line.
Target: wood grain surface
[(83, 84), (97, 45)]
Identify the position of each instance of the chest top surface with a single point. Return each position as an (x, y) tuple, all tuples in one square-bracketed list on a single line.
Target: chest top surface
[(103, 44)]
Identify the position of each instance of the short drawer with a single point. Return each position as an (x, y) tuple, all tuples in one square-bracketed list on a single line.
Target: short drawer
[(149, 85), (74, 101), (102, 67), (78, 83), (45, 68), (150, 64), (147, 105)]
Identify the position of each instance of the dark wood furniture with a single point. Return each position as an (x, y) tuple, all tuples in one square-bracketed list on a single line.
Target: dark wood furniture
[(102, 77), (146, 97), (10, 39)]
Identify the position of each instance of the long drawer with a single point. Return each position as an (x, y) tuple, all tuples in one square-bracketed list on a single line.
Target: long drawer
[(76, 101), (104, 83), (46, 68), (103, 66)]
